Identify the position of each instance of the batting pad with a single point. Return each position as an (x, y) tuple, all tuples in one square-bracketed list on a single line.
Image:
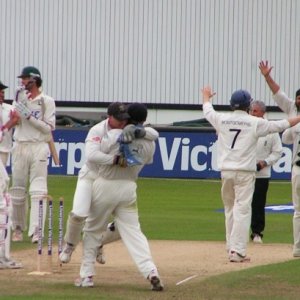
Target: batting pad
[(74, 228), (18, 198)]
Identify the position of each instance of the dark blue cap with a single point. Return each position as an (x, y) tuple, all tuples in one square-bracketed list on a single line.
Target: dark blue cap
[(240, 99)]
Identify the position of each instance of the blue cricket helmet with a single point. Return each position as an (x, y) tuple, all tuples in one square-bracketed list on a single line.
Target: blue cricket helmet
[(240, 99)]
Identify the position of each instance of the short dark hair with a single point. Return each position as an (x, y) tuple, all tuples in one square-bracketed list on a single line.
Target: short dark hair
[(138, 112), (118, 111)]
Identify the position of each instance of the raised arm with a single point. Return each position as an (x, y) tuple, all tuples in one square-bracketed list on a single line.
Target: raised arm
[(207, 94), (265, 70)]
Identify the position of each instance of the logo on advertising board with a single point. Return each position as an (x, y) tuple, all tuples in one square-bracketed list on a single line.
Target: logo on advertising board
[(177, 155)]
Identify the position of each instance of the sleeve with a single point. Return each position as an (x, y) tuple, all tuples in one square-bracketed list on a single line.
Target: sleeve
[(47, 123), (264, 127), (151, 134), (49, 114), (148, 152), (286, 104), (93, 151), (288, 136), (210, 114), (276, 150)]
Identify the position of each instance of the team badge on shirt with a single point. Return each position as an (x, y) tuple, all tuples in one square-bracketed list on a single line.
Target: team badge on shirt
[(96, 139)]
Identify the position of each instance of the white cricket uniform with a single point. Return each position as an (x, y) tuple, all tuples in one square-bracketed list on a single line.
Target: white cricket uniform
[(96, 156), (114, 193), (89, 171), (269, 149), (4, 214), (292, 136), (6, 143), (86, 176), (30, 159), (238, 133)]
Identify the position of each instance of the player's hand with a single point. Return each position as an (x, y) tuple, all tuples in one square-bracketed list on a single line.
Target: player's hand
[(207, 93), (128, 134), (20, 88), (140, 132), (23, 110), (131, 132), (265, 69), (22, 94), (260, 165)]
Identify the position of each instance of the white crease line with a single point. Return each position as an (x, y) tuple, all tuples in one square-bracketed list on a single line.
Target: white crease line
[(186, 279)]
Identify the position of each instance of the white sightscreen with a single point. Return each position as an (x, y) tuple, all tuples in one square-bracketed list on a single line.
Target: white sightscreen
[(153, 51)]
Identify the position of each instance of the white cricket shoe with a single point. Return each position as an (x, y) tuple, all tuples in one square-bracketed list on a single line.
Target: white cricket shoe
[(17, 235), (84, 282), (6, 263), (66, 253), (236, 257), (257, 239), (156, 284), (100, 258)]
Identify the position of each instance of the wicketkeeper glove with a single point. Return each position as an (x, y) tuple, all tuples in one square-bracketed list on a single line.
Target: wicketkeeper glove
[(131, 132), (23, 110), (131, 155)]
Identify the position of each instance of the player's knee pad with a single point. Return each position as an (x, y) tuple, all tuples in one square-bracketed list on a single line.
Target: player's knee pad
[(18, 194), (38, 187), (75, 219), (38, 209), (38, 204), (74, 228), (18, 198)]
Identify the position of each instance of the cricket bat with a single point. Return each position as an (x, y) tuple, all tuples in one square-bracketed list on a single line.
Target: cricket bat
[(53, 151)]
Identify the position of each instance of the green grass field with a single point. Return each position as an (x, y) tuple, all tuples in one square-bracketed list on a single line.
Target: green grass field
[(172, 209)]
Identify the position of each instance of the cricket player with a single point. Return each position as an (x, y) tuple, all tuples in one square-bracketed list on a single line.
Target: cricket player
[(238, 133), (36, 112), (268, 152), (114, 193), (7, 121), (291, 136), (6, 112), (5, 216), (117, 119)]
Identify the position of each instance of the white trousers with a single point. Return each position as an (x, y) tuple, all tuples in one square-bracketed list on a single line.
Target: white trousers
[(5, 212), (296, 203), (117, 198), (83, 193), (30, 163), (237, 192)]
